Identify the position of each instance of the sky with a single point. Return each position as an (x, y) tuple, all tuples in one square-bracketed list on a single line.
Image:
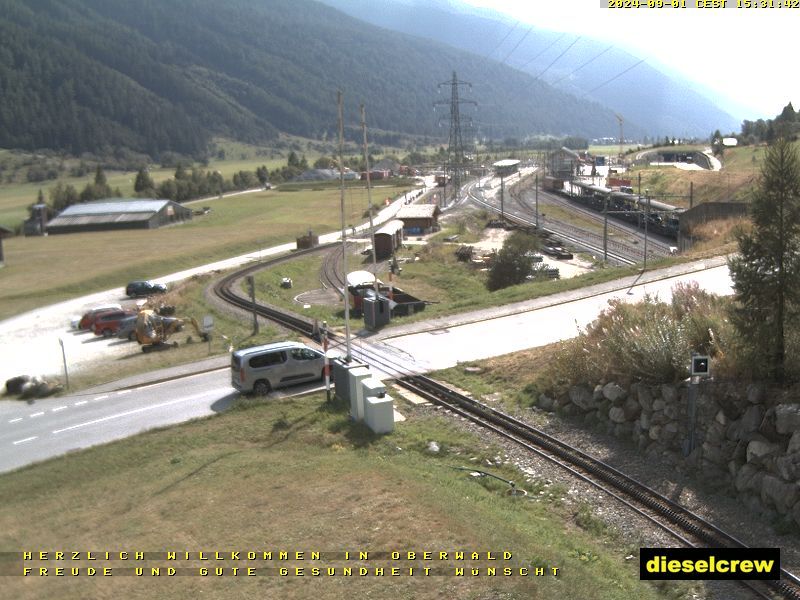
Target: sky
[(748, 56)]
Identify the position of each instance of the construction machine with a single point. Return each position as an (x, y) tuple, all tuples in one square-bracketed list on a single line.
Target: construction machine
[(153, 330)]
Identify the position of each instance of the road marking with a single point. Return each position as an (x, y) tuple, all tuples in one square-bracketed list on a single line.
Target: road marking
[(81, 403), (121, 392), (130, 412), (58, 408), (15, 420), (39, 414), (25, 440), (101, 398)]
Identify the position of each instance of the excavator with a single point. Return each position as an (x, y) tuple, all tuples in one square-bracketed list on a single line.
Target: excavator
[(153, 330)]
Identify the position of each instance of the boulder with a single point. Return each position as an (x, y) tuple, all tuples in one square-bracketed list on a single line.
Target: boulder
[(778, 493), (581, 397), (748, 478), (545, 402), (613, 392), (794, 443), (597, 394), (669, 393), (644, 419), (759, 449), (658, 404), (787, 418), (751, 420), (789, 466), (713, 453), (632, 408), (655, 432), (721, 418), (755, 393), (645, 397), (616, 414)]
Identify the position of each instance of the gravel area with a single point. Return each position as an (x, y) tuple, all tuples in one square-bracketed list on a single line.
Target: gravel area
[(717, 506)]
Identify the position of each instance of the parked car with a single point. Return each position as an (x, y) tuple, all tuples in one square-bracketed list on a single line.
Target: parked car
[(144, 288), (261, 369), (107, 324), (89, 316), (127, 328)]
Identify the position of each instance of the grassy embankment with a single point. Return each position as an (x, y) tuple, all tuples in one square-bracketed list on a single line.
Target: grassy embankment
[(297, 475)]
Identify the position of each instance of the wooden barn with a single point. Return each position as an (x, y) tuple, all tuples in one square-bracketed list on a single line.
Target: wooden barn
[(419, 219)]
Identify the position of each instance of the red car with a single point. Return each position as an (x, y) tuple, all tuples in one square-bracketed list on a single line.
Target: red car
[(108, 324), (89, 317)]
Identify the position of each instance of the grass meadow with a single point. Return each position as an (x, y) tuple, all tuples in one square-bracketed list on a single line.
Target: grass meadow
[(297, 475)]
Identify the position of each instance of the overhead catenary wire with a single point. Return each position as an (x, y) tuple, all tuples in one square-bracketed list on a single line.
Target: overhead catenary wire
[(591, 60), (550, 45), (496, 48), (522, 39), (607, 81)]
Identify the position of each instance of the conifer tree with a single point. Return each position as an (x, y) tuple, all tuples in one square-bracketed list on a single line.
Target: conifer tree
[(766, 272)]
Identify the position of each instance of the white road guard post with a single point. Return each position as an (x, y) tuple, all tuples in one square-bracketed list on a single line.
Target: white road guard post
[(64, 358)]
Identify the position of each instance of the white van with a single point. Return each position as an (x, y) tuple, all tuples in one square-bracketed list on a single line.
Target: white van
[(261, 369)]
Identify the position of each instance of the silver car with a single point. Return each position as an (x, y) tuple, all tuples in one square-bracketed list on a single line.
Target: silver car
[(261, 369)]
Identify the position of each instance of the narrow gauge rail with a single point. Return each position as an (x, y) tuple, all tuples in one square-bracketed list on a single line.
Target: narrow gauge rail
[(569, 233), (331, 274), (658, 246), (660, 510)]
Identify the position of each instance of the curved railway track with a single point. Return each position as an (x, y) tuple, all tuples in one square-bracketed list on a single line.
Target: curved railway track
[(689, 529)]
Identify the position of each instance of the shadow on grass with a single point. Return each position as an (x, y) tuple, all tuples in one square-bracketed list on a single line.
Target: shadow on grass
[(174, 484)]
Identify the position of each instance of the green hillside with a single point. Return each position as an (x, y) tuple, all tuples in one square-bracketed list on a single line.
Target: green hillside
[(149, 76)]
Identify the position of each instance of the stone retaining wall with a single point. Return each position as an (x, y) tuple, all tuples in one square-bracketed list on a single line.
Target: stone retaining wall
[(747, 439)]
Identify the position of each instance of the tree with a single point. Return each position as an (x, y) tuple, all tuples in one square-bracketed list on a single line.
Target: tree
[(144, 183), (513, 263), (766, 273)]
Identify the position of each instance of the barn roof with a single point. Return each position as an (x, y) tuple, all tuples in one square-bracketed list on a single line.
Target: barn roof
[(418, 211), (104, 207)]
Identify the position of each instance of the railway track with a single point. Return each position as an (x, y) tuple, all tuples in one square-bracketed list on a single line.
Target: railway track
[(687, 528)]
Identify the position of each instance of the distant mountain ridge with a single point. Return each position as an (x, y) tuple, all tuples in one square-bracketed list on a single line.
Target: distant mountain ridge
[(153, 76), (656, 102)]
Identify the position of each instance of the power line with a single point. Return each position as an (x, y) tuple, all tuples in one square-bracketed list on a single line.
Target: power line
[(613, 78), (510, 31), (583, 65), (558, 39), (522, 39), (557, 57)]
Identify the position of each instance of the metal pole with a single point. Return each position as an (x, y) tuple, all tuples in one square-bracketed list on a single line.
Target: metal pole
[(502, 193), (327, 362), (369, 204), (693, 388), (251, 283), (348, 356), (605, 230), (64, 358), (646, 219), (537, 201)]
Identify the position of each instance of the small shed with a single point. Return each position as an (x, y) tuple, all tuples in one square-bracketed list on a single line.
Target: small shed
[(419, 219), (388, 239), (504, 168), (108, 215)]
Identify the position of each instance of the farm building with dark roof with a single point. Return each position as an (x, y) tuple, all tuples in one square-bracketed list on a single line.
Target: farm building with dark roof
[(107, 215)]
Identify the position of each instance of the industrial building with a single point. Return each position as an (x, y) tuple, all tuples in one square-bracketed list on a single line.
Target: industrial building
[(108, 215)]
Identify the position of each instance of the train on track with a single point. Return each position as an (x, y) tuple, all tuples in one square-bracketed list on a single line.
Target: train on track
[(661, 218)]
